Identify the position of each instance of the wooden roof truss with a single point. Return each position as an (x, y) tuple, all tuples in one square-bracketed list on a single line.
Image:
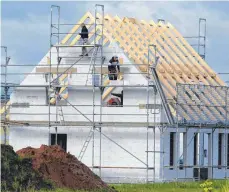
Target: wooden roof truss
[(178, 63)]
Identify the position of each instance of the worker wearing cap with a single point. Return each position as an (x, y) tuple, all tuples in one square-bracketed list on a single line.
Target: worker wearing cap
[(84, 39), (113, 67)]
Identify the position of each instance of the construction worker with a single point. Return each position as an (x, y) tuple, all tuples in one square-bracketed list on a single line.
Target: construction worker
[(113, 67), (84, 39)]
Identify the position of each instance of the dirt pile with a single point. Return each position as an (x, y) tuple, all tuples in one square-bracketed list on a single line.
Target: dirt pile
[(62, 168), (18, 174)]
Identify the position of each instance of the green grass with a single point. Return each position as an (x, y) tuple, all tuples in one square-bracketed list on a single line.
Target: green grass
[(218, 186)]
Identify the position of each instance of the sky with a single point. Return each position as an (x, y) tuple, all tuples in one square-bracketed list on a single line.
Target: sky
[(25, 26)]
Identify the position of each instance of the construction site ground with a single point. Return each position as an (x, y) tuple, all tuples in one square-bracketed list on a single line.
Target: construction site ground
[(47, 167), (217, 186), (50, 168)]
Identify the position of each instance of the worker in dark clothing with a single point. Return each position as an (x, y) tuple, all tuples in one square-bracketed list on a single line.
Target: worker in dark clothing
[(113, 67), (84, 39)]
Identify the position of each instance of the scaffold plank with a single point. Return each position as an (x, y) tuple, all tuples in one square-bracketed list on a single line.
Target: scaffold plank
[(68, 46), (55, 70), (86, 124), (81, 124)]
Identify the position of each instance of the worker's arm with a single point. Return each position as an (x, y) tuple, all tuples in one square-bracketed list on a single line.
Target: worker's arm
[(111, 61), (117, 94), (81, 32), (109, 68), (118, 67)]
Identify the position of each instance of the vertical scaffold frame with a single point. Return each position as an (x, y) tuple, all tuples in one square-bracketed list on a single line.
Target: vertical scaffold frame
[(100, 45), (6, 88), (53, 34)]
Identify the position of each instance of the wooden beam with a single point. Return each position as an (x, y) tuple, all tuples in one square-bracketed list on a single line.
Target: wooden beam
[(191, 68), (54, 70), (75, 28), (121, 32), (170, 58), (5, 107), (73, 42), (169, 66), (164, 44), (62, 77), (110, 89), (202, 62), (187, 60), (107, 37)]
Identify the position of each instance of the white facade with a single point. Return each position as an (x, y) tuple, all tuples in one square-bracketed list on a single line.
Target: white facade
[(123, 149), (207, 141)]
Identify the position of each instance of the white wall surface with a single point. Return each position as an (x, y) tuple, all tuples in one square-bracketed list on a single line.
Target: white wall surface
[(188, 172), (132, 139)]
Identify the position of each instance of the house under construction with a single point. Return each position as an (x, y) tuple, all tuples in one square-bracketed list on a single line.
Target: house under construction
[(169, 120)]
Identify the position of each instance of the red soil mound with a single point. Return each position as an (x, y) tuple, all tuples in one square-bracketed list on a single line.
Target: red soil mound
[(64, 169)]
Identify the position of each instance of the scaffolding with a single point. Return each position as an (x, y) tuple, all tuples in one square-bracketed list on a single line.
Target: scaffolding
[(196, 97), (201, 38), (97, 126), (95, 120), (6, 91)]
